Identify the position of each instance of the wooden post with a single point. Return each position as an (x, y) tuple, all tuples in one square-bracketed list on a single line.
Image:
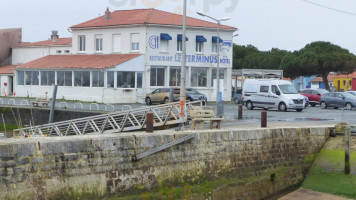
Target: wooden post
[(239, 112), (149, 122), (263, 119), (345, 128)]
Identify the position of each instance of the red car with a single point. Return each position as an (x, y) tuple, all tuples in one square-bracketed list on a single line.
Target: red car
[(314, 95)]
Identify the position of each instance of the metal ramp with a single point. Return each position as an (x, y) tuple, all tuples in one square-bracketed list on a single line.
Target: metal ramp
[(128, 120)]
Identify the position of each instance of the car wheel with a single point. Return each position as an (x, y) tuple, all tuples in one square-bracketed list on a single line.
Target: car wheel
[(166, 100), (249, 105), (336, 108), (190, 99), (323, 105), (265, 108), (313, 104), (236, 101), (299, 110), (148, 101), (348, 106), (282, 107)]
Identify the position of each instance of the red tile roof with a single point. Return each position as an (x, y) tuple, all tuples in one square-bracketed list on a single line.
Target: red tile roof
[(58, 42), (146, 16), (78, 61), (353, 75), (7, 69)]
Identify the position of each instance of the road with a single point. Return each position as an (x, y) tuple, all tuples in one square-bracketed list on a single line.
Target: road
[(310, 114)]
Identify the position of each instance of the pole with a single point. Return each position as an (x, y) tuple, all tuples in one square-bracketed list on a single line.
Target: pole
[(182, 75), (54, 96), (219, 102)]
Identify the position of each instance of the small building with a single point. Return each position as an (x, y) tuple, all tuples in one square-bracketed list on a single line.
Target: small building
[(344, 82), (317, 82)]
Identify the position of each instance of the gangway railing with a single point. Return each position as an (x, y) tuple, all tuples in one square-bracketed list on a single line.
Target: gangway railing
[(127, 120)]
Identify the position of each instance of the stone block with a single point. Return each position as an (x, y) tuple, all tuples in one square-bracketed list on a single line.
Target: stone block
[(6, 151), (37, 160), (10, 163), (24, 149), (244, 135), (23, 161), (9, 171), (2, 172)]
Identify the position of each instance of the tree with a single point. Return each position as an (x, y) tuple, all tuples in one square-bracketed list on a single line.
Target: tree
[(239, 54), (318, 58)]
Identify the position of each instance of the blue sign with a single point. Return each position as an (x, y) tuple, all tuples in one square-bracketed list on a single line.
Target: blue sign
[(153, 42), (226, 45)]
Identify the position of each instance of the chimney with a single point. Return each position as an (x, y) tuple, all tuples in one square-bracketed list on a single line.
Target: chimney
[(54, 36), (107, 14)]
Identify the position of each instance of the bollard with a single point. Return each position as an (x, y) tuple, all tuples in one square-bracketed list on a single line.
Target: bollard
[(263, 119), (345, 128), (149, 122), (239, 116)]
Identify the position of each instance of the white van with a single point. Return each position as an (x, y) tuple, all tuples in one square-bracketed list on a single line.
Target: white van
[(269, 94)]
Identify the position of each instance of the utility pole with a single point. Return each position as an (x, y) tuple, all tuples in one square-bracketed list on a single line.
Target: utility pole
[(182, 114)]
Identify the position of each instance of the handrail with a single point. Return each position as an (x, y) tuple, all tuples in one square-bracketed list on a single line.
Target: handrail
[(134, 119)]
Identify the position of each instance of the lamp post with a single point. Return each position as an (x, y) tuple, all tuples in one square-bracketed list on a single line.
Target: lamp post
[(219, 103), (182, 71)]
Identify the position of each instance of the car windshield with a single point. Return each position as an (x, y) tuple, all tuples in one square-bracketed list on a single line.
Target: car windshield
[(353, 93), (322, 91), (192, 91), (288, 89)]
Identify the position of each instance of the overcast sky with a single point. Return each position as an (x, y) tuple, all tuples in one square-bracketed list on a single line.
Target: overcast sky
[(266, 24)]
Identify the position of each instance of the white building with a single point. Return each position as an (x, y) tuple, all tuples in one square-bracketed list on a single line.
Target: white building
[(152, 37)]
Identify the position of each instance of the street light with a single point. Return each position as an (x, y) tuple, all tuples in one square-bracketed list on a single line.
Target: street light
[(219, 104)]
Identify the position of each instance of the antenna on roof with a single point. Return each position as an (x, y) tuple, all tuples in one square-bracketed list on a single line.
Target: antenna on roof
[(107, 14)]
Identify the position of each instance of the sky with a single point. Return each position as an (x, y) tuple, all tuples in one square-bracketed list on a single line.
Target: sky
[(266, 24)]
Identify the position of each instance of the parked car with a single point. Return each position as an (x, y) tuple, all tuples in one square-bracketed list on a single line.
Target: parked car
[(314, 95), (194, 95), (352, 92), (269, 94), (338, 100), (237, 96), (161, 95), (306, 100)]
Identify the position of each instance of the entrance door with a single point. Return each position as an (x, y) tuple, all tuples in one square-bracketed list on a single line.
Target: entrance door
[(11, 85)]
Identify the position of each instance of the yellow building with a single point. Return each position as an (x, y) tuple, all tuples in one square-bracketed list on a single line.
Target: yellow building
[(345, 82)]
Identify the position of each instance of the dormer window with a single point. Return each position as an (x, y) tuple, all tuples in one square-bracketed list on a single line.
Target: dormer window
[(98, 43), (81, 43)]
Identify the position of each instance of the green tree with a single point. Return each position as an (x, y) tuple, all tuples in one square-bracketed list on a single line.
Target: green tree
[(318, 58), (240, 53)]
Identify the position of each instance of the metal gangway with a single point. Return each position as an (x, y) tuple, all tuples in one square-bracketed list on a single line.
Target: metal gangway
[(127, 120)]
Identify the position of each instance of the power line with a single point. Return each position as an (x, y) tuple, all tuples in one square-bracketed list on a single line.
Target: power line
[(330, 8)]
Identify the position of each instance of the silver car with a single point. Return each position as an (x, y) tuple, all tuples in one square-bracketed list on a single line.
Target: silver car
[(338, 100)]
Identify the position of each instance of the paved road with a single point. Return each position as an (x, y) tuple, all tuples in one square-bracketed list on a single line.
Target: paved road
[(305, 194)]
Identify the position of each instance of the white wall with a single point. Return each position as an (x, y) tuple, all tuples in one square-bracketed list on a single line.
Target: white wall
[(107, 34), (22, 55), (4, 89)]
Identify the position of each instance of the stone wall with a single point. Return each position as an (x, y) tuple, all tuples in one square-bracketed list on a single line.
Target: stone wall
[(216, 164)]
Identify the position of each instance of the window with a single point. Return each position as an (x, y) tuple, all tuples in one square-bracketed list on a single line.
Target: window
[(64, 78), (98, 43), (214, 42), (139, 80), (59, 52), (174, 77), (199, 47), (275, 89), (179, 45), (47, 77), (126, 79), (199, 43), (20, 78), (81, 44), (264, 89), (31, 77), (110, 79), (157, 76), (116, 46), (199, 77), (82, 78), (97, 79), (135, 45), (213, 75), (164, 42), (344, 82), (214, 47)]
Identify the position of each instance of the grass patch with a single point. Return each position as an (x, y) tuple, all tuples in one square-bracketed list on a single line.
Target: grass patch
[(9, 127), (336, 183)]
